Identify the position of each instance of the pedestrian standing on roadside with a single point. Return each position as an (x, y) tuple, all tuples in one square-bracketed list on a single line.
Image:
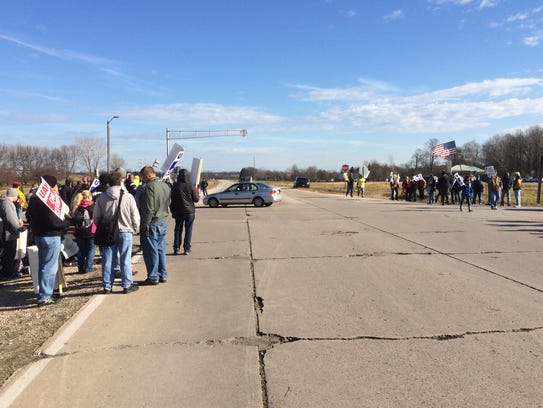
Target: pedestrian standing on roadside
[(517, 188), (350, 183), (48, 230), (203, 185), (83, 231), (394, 186), (9, 233), (442, 186), (466, 189), (493, 191), (478, 188), (361, 186), (184, 195), (154, 203), (114, 199), (431, 186), (506, 187)]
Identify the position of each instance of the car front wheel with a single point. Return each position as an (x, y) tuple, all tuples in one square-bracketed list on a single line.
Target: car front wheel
[(213, 202)]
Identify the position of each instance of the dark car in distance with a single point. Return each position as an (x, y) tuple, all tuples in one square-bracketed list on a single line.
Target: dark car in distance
[(301, 182)]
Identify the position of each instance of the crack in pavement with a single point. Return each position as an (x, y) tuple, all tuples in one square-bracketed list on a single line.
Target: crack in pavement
[(454, 256), (266, 341)]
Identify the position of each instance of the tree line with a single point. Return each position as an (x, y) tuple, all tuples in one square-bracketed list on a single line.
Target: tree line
[(26, 163), (519, 150)]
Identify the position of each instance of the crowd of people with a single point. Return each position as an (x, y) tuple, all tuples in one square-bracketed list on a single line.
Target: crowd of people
[(116, 199), (457, 189)]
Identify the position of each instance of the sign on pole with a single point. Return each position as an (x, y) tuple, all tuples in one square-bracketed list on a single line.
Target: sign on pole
[(171, 161), (196, 171), (95, 183), (490, 171)]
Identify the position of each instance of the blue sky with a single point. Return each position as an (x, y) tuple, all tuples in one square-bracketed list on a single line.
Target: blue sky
[(315, 82)]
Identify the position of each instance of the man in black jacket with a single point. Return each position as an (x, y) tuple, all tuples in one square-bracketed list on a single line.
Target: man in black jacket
[(48, 230), (184, 195)]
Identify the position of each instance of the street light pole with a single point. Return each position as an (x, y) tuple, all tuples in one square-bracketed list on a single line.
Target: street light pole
[(107, 157)]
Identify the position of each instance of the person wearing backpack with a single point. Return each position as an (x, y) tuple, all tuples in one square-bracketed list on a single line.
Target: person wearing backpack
[(114, 206), (84, 231)]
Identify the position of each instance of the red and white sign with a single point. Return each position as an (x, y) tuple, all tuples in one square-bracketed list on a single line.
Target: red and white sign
[(52, 200)]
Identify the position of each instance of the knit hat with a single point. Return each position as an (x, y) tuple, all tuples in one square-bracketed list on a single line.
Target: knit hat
[(51, 180), (11, 192), (122, 171)]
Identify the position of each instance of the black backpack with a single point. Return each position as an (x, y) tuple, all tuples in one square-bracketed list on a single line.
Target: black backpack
[(82, 219)]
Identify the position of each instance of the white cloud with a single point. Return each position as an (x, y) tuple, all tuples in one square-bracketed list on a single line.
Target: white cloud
[(201, 115), (479, 4), (468, 106), (60, 54), (25, 118), (34, 95), (517, 17), (347, 13), (487, 4), (395, 15), (533, 40)]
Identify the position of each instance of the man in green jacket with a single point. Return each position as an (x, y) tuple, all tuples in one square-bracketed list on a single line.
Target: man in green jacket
[(154, 202)]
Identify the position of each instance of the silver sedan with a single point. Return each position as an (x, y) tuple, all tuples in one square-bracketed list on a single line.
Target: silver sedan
[(257, 193)]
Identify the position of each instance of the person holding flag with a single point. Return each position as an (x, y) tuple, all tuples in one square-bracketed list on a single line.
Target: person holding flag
[(46, 215)]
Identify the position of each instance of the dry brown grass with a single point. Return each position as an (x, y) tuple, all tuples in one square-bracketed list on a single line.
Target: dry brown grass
[(25, 327)]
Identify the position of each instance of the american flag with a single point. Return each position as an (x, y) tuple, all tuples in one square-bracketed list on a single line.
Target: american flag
[(444, 149)]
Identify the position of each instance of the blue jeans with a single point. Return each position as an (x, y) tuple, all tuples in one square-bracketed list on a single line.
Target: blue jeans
[(85, 257), (517, 197), (124, 248), (467, 198), (506, 194), (493, 197), (153, 246), (188, 221), (48, 258)]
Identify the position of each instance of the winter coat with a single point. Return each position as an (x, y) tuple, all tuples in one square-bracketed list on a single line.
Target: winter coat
[(106, 206), (10, 221), (184, 195)]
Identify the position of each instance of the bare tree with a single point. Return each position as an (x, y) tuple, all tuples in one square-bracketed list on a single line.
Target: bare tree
[(419, 160), (29, 161), (428, 150), (117, 161), (92, 153), (471, 153), (66, 158), (3, 153)]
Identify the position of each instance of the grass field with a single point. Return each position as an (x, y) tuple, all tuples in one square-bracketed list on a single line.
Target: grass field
[(381, 189)]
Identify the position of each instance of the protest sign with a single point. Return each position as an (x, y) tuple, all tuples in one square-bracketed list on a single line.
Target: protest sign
[(171, 161), (95, 183), (196, 171), (52, 200), (458, 179)]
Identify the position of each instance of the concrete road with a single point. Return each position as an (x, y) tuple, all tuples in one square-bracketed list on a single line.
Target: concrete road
[(319, 301)]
